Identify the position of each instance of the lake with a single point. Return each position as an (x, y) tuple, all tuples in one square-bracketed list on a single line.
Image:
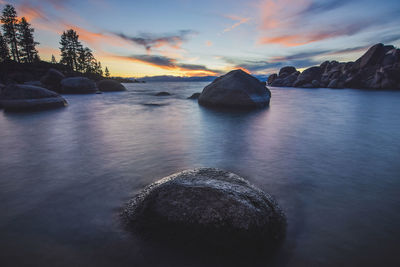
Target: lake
[(331, 158)]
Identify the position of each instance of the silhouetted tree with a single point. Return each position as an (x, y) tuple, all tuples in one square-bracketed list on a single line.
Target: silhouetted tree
[(53, 59), (107, 72), (70, 46), (86, 60), (10, 22), (4, 51), (26, 42), (99, 69)]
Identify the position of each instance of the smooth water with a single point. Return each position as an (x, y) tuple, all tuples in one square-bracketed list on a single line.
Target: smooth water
[(330, 157)]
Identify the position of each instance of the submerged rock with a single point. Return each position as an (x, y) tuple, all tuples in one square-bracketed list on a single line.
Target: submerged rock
[(110, 86), (18, 97), (162, 94), (194, 96), (78, 85), (206, 205), (236, 89)]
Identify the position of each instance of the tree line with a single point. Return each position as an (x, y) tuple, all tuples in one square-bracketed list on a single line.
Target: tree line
[(17, 43)]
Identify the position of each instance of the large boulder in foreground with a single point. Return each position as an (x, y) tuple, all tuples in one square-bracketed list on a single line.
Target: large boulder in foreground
[(110, 86), (19, 97), (78, 85), (52, 80), (236, 89), (208, 206)]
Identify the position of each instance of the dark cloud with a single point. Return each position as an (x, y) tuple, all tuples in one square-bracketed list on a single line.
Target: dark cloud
[(318, 7), (155, 60), (149, 41), (170, 63)]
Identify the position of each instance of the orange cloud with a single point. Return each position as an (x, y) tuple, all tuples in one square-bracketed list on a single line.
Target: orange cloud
[(239, 22), (209, 43)]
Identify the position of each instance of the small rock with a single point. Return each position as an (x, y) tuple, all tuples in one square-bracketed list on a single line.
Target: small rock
[(194, 96), (162, 94)]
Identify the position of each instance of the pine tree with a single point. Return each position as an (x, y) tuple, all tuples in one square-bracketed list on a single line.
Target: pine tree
[(10, 21), (26, 42), (99, 69), (107, 73), (53, 59), (4, 51), (70, 46)]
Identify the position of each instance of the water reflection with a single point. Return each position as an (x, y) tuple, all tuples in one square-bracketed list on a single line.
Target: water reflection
[(330, 157)]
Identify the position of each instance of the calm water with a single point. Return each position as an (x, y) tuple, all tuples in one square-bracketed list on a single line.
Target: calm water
[(330, 157)]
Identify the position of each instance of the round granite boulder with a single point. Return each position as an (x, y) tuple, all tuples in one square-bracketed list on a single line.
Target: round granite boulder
[(52, 80), (236, 89), (206, 206), (78, 85), (19, 97), (110, 86)]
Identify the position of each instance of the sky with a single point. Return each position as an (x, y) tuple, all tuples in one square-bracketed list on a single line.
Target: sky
[(211, 37)]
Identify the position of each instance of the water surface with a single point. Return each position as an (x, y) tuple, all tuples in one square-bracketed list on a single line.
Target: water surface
[(330, 158)]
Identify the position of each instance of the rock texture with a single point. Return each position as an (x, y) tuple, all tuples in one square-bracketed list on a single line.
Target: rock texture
[(78, 85), (28, 97), (236, 89), (110, 86), (378, 68), (209, 205)]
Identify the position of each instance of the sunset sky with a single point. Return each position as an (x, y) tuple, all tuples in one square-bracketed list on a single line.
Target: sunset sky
[(209, 37)]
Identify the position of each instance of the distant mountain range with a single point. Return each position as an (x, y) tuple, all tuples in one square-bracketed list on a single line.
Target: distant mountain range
[(166, 78)]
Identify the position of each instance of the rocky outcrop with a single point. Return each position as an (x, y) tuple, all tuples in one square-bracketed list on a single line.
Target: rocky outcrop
[(110, 86), (52, 80), (78, 85), (378, 68), (18, 97), (206, 205), (286, 78), (236, 89), (194, 96)]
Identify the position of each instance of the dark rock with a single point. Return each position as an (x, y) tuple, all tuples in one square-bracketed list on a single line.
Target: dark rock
[(18, 97), (52, 80), (78, 85), (288, 70), (287, 81), (315, 84), (110, 86), (206, 205), (194, 96), (34, 83), (334, 83), (236, 89), (272, 78), (372, 57), (307, 76), (162, 94)]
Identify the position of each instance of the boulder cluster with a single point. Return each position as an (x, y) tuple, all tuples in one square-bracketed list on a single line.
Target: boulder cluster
[(44, 94), (378, 68)]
